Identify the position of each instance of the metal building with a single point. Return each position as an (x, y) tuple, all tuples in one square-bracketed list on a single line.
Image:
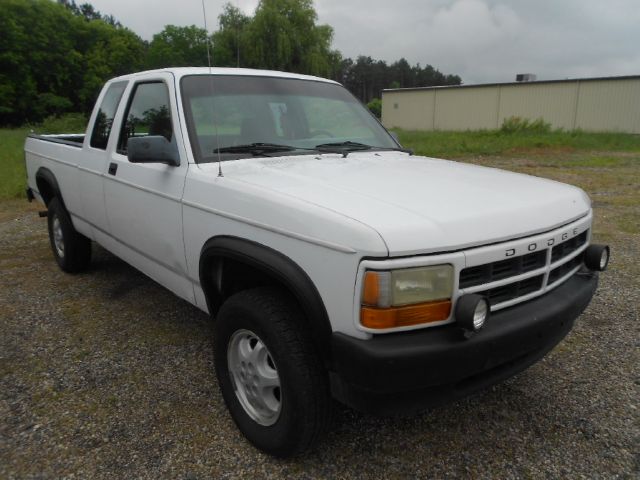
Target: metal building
[(608, 104)]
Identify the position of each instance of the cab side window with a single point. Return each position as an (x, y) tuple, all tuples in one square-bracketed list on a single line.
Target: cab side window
[(148, 113), (104, 118)]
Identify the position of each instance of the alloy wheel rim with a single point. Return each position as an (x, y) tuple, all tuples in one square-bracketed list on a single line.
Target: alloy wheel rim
[(254, 376), (58, 237)]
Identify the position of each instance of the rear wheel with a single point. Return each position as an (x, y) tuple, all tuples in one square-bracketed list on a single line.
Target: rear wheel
[(71, 249), (271, 377)]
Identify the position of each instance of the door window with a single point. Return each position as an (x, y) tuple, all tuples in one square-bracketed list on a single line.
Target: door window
[(104, 118), (148, 114)]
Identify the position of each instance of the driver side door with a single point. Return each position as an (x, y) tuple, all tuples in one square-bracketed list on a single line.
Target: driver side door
[(143, 200)]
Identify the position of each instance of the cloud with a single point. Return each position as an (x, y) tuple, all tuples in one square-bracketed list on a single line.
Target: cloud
[(489, 40), (480, 40), (470, 26), (148, 17)]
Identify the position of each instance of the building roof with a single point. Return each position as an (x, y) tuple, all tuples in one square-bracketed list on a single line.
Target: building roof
[(535, 82)]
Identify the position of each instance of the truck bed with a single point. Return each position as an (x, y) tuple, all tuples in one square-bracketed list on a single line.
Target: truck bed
[(71, 139)]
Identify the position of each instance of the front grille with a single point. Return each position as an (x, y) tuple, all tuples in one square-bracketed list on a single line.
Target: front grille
[(568, 247), (513, 290), (491, 272), (559, 272), (472, 279)]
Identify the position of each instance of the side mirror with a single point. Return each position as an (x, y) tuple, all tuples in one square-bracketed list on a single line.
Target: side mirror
[(152, 149)]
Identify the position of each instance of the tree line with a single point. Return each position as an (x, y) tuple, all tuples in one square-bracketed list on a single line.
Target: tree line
[(55, 56)]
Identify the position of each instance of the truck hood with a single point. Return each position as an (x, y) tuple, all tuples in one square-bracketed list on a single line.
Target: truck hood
[(419, 204)]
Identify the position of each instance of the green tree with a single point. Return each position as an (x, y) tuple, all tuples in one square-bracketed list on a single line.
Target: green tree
[(54, 59), (56, 56), (178, 47), (36, 60), (109, 53), (375, 107), (87, 11), (283, 35), (230, 41), (366, 77)]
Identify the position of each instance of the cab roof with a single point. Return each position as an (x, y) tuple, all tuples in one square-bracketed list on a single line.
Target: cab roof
[(180, 72)]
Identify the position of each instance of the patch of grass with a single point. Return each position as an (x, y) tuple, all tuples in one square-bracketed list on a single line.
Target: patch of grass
[(599, 161), (628, 223), (519, 125), (496, 142), (15, 208), (13, 177), (68, 123)]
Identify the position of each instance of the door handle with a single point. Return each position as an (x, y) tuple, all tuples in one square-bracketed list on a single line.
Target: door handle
[(113, 168)]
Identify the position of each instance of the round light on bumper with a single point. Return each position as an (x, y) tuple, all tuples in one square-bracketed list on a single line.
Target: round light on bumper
[(472, 312), (596, 257), (480, 314)]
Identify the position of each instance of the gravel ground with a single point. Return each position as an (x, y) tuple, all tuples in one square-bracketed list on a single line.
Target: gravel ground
[(108, 375)]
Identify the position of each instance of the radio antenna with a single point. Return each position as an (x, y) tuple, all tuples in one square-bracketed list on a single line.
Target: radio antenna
[(210, 79), (237, 38)]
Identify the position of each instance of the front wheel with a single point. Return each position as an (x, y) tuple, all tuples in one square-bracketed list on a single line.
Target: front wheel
[(270, 375)]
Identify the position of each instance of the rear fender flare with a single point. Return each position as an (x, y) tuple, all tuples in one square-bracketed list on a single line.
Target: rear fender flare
[(48, 187)]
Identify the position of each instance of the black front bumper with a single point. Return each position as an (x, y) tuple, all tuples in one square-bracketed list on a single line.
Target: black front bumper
[(409, 371)]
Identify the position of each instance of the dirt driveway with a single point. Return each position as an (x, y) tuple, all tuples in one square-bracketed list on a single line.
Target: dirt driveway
[(108, 375)]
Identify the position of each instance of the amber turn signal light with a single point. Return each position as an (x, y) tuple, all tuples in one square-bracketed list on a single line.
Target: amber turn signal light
[(393, 317), (371, 290)]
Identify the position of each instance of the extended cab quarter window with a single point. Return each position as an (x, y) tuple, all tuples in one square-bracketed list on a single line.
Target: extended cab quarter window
[(104, 118), (148, 113)]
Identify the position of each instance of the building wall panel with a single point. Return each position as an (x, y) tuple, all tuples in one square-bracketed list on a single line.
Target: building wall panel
[(600, 105), (466, 109), (554, 102), (409, 111), (609, 106)]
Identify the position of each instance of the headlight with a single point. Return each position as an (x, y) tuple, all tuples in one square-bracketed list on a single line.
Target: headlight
[(406, 297)]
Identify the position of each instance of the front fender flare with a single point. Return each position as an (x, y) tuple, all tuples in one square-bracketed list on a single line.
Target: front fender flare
[(276, 265)]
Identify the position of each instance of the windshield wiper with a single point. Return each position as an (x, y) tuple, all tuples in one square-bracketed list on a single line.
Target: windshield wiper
[(398, 149), (258, 148), (262, 148), (345, 147), (341, 147)]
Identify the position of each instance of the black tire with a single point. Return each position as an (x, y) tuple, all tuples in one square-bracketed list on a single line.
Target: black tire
[(305, 410), (75, 252)]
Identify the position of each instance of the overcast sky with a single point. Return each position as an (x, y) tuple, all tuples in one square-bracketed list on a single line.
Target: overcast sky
[(480, 40)]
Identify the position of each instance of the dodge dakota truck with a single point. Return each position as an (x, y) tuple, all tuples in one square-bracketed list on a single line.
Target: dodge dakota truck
[(333, 262)]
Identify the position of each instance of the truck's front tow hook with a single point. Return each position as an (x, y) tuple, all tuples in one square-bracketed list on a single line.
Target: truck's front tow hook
[(43, 213)]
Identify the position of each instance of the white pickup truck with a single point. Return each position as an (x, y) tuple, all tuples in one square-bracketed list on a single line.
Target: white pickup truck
[(334, 262)]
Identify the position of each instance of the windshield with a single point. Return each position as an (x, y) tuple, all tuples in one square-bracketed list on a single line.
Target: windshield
[(236, 116)]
